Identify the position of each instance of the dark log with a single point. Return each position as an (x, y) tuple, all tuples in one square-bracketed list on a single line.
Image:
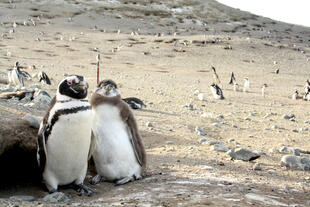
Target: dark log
[(19, 94)]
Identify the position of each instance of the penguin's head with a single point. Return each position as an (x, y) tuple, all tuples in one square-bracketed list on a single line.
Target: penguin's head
[(107, 88), (213, 85), (213, 69), (73, 86)]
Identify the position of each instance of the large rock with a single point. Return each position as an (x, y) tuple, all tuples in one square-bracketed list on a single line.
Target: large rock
[(295, 162), (56, 197), (219, 148), (289, 150), (41, 100), (32, 121), (243, 154), (18, 143)]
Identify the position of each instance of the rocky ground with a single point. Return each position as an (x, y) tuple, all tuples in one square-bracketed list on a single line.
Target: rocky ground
[(162, 52)]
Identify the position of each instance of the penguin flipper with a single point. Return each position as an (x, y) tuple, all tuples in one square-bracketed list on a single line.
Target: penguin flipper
[(41, 156), (124, 180), (92, 145), (46, 79), (134, 135), (42, 138), (97, 179), (83, 190)]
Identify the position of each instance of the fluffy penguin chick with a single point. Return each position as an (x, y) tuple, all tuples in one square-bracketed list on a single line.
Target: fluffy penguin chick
[(295, 95), (119, 153), (216, 91), (64, 137)]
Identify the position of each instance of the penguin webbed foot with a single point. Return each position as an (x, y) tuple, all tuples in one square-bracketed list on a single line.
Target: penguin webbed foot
[(96, 179), (124, 180), (128, 179), (52, 191), (83, 190)]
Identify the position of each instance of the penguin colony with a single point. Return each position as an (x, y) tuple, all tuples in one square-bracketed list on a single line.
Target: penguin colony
[(17, 76), (218, 93), (73, 130)]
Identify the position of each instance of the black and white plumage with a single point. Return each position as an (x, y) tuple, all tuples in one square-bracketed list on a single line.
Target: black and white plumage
[(307, 86), (264, 86), (119, 154), (16, 76), (43, 77), (216, 91), (64, 137), (277, 71), (134, 103), (232, 79), (307, 96), (216, 78), (246, 85), (295, 95)]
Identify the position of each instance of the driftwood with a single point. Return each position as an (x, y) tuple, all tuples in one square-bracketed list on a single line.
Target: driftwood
[(18, 94)]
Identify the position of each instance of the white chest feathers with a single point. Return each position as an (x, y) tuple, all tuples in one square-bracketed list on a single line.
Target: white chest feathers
[(113, 155), (68, 145)]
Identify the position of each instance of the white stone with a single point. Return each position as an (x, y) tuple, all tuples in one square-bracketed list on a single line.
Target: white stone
[(202, 97), (219, 148)]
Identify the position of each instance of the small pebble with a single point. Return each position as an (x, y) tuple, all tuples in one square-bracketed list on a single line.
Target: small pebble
[(257, 166), (149, 124)]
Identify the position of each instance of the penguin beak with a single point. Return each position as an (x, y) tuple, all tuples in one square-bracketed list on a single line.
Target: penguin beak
[(80, 86), (84, 85), (108, 89)]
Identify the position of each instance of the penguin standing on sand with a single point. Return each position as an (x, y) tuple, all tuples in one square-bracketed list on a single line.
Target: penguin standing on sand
[(215, 76), (64, 137), (119, 154), (307, 86), (232, 79), (295, 95), (43, 77), (246, 85), (216, 91), (277, 71), (263, 89), (236, 87), (17, 76)]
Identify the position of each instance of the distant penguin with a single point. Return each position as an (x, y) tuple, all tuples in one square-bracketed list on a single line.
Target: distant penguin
[(263, 89), (216, 91), (134, 103), (232, 79), (295, 95), (17, 76), (307, 86), (64, 137), (306, 97), (236, 87), (216, 78), (43, 77), (277, 71), (119, 154), (246, 85)]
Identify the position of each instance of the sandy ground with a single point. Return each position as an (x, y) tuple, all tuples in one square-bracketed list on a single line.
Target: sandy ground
[(165, 70)]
